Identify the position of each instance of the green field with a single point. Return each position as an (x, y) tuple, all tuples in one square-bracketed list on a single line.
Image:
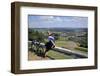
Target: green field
[(82, 49), (70, 45), (58, 55)]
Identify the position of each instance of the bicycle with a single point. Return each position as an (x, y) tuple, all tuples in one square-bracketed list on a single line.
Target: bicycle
[(38, 48)]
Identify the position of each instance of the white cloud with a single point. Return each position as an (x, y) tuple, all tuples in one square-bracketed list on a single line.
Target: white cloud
[(58, 21), (46, 18)]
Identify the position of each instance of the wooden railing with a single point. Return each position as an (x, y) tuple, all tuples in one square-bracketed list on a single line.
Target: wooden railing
[(70, 52)]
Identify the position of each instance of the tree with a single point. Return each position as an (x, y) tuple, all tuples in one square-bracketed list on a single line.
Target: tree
[(35, 35), (56, 36)]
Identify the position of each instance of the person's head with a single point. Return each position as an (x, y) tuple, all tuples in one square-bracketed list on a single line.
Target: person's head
[(50, 33)]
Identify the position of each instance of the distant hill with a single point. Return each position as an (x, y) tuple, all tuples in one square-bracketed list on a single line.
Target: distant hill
[(61, 29)]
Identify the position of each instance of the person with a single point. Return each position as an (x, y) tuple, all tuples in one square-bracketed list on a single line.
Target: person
[(50, 44)]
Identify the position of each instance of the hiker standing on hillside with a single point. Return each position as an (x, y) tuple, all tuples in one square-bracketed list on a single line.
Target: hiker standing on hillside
[(50, 44)]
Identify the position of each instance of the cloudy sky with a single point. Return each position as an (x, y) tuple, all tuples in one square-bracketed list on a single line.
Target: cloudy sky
[(36, 21)]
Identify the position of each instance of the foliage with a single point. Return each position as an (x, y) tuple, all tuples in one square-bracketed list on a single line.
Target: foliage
[(82, 40), (35, 35), (56, 36)]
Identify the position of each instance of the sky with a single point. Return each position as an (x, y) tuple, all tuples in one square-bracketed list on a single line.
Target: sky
[(41, 21)]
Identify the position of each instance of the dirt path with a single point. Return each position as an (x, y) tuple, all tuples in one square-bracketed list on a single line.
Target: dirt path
[(71, 45)]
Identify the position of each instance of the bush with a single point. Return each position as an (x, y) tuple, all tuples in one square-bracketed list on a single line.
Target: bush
[(35, 35)]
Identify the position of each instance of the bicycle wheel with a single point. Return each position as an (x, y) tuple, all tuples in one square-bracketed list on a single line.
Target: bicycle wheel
[(34, 48), (41, 50)]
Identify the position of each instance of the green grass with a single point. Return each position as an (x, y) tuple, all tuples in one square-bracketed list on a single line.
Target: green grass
[(61, 43), (57, 55), (82, 49), (70, 45)]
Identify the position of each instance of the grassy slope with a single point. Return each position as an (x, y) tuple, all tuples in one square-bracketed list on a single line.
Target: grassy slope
[(57, 55), (70, 45)]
